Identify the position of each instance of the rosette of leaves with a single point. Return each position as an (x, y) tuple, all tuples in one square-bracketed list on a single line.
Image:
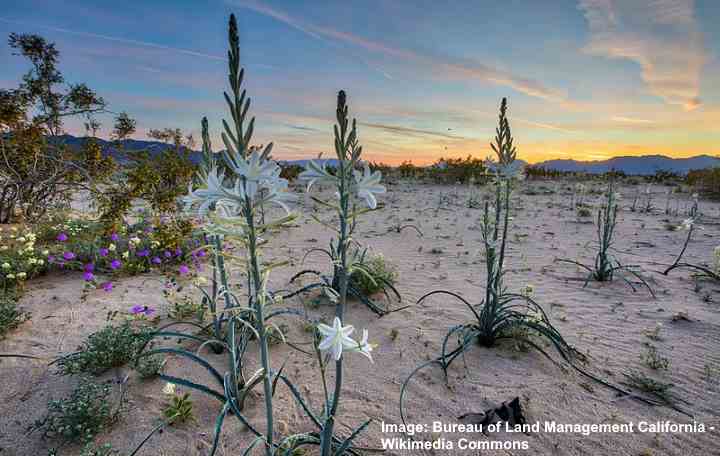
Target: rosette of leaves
[(606, 265)]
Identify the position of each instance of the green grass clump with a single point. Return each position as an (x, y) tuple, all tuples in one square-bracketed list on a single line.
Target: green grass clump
[(112, 346), (150, 366), (648, 385), (102, 450), (377, 274), (83, 415), (10, 315)]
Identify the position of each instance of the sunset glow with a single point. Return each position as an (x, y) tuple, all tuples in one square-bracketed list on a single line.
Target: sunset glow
[(585, 79)]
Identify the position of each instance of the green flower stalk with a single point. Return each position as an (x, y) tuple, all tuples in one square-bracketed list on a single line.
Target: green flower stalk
[(607, 265), (351, 184), (229, 191)]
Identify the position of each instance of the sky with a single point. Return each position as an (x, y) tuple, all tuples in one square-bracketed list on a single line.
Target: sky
[(585, 79)]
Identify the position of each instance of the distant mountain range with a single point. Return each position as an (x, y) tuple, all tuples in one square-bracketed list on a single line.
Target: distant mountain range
[(643, 165)]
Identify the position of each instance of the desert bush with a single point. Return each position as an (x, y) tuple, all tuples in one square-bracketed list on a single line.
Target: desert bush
[(37, 171), (159, 179), (705, 181), (20, 260), (10, 315), (458, 170), (150, 366), (112, 346), (81, 416), (290, 172), (99, 450), (378, 273)]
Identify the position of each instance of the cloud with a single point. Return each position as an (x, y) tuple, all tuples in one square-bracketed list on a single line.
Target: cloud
[(630, 120), (407, 130), (662, 36), (454, 68)]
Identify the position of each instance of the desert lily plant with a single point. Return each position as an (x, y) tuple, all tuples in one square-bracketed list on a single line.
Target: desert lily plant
[(230, 204), (606, 265), (712, 272), (354, 183), (501, 314)]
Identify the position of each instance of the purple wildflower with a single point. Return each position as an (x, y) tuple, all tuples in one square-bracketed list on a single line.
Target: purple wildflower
[(107, 286), (201, 254), (168, 254), (114, 237), (156, 260), (184, 269), (178, 251), (115, 264), (88, 276), (62, 237), (137, 309), (143, 253), (69, 256), (104, 252), (90, 267)]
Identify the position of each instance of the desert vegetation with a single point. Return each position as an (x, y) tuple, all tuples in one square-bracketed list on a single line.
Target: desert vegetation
[(152, 304)]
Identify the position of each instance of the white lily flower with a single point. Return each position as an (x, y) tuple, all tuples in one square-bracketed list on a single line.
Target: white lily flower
[(368, 184), (211, 191), (256, 171), (365, 347), (336, 338), (315, 171), (277, 191)]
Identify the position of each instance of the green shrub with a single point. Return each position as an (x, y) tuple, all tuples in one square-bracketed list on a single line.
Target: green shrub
[(179, 410), (112, 346), (102, 450), (379, 273), (83, 415), (150, 366), (10, 316)]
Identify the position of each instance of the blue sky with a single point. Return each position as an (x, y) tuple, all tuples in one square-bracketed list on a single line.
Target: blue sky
[(585, 79)]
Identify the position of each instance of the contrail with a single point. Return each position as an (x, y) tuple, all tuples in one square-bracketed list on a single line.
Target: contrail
[(119, 40)]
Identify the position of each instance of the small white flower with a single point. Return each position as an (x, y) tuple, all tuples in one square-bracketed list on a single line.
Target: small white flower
[(368, 184), (169, 389), (21, 275), (315, 172), (112, 247), (365, 347), (6, 265), (126, 254), (687, 223), (336, 338), (40, 262)]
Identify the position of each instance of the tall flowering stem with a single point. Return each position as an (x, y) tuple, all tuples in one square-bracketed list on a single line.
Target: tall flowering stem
[(350, 183)]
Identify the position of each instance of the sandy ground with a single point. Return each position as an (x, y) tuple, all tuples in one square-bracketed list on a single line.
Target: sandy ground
[(606, 321)]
